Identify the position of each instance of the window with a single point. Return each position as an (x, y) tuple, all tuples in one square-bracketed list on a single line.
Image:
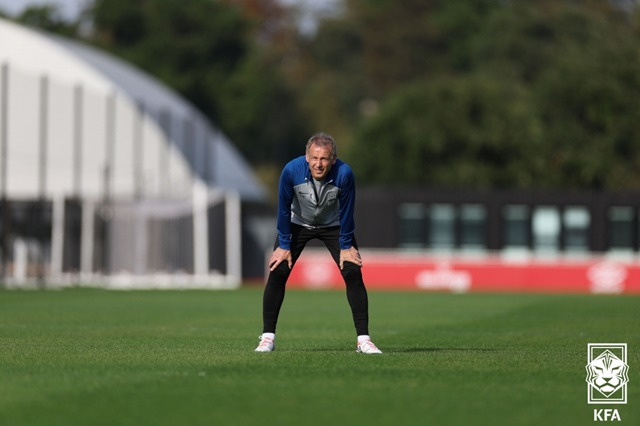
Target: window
[(516, 226), (546, 228), (412, 225), (576, 221), (621, 228), (472, 226), (442, 226)]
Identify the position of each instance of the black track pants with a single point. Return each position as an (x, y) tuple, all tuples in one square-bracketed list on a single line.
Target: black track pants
[(351, 273)]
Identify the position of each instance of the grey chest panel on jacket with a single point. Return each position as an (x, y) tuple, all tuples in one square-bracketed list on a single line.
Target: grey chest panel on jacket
[(316, 207)]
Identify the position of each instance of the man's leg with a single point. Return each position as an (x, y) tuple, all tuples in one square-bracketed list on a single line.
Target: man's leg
[(357, 297), (359, 302), (273, 297), (352, 276), (274, 289)]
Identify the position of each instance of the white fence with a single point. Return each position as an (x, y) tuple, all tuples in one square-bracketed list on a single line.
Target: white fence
[(190, 243)]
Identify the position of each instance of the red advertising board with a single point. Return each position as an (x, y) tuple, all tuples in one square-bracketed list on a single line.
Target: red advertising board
[(405, 271)]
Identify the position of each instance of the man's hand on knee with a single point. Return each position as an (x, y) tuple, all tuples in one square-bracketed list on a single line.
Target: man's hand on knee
[(279, 255), (350, 255)]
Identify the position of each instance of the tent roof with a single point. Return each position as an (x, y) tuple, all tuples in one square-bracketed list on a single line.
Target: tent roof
[(67, 60)]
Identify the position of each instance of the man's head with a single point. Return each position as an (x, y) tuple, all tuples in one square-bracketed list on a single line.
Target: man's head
[(321, 154)]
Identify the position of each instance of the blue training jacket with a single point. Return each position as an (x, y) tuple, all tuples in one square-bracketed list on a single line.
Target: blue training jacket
[(301, 203)]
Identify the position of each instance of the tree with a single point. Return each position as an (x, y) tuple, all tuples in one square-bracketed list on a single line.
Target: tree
[(541, 97), (475, 93), (375, 48), (581, 65), (48, 18), (467, 131)]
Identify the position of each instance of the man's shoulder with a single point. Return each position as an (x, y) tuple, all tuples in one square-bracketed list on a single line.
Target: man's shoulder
[(342, 165), (296, 162), (296, 168), (342, 169)]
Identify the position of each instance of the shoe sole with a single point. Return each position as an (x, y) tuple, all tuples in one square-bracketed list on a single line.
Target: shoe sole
[(271, 350), (359, 351)]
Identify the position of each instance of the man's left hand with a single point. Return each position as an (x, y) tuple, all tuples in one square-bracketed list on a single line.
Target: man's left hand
[(350, 255)]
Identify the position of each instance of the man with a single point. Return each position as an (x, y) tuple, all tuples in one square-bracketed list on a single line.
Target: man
[(316, 197)]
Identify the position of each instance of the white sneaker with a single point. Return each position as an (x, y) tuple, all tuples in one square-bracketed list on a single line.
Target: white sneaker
[(367, 347), (266, 344)]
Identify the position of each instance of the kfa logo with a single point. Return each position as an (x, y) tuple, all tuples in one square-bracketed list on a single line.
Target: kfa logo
[(607, 378), (606, 414), (607, 373)]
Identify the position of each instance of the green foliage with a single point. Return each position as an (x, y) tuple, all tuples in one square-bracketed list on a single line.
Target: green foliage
[(586, 102), (48, 18), (452, 93), (529, 95), (580, 63), (465, 131), (260, 112)]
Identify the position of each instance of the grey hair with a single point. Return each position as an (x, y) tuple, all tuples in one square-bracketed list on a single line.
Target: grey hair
[(323, 140)]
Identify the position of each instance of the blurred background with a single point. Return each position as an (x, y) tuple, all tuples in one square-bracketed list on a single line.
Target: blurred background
[(494, 142)]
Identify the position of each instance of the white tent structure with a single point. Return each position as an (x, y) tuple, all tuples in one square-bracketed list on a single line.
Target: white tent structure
[(84, 135)]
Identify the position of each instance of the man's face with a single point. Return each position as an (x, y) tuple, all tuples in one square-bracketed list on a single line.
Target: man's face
[(320, 160)]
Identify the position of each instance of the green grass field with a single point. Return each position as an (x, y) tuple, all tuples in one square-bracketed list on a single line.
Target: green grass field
[(92, 357)]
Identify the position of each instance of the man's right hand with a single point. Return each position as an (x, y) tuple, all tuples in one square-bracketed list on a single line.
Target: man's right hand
[(278, 256)]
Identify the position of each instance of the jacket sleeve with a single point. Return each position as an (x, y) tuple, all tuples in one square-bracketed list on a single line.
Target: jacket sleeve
[(347, 205), (285, 197)]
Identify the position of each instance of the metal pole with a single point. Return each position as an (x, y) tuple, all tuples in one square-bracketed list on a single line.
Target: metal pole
[(233, 238), (57, 237), (138, 152), (109, 145), (5, 210), (44, 133), (77, 140), (200, 228), (140, 237), (87, 238), (165, 152), (109, 167), (4, 128)]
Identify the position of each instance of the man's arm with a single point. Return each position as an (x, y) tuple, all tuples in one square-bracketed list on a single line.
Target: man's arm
[(348, 253), (285, 197), (347, 205)]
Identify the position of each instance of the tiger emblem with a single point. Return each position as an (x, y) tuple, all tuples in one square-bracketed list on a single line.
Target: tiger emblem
[(607, 373)]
